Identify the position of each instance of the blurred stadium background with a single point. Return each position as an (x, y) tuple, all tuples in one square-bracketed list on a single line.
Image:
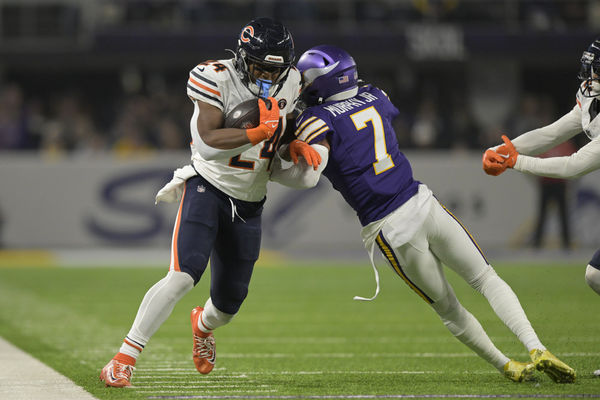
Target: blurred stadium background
[(94, 115)]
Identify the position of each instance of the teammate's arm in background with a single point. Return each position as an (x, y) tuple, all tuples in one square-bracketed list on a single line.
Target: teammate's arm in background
[(584, 161), (542, 139), (535, 141)]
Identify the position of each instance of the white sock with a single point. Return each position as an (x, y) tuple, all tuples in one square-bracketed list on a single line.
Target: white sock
[(131, 347), (157, 305), (592, 277), (506, 305), (212, 318), (465, 327)]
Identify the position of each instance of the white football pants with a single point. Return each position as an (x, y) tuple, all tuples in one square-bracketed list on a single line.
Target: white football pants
[(443, 240)]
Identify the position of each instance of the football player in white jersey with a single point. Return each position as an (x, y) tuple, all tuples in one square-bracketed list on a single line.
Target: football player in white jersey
[(222, 192), (519, 153)]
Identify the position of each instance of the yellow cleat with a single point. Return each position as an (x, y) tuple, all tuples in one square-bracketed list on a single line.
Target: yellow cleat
[(548, 363), (519, 371)]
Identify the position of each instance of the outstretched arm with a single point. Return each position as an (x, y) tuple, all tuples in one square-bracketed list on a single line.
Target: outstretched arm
[(542, 139), (584, 161), (535, 141)]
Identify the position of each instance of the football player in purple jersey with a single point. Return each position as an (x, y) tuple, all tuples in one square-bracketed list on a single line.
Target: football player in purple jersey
[(350, 125)]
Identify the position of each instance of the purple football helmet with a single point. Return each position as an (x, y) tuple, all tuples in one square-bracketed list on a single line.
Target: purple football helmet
[(326, 71)]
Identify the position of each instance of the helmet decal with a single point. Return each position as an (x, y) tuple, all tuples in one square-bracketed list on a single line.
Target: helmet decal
[(275, 59), (313, 73), (247, 33)]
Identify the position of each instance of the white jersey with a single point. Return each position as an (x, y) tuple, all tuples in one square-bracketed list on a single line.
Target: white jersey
[(579, 119), (243, 176)]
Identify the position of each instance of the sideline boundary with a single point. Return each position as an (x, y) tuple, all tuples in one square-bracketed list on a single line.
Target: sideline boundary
[(26, 378)]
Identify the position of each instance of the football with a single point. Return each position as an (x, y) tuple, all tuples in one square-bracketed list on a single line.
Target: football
[(245, 115)]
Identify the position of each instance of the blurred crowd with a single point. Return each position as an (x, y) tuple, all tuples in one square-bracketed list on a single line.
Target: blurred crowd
[(67, 123), (536, 14), (138, 123), (142, 114)]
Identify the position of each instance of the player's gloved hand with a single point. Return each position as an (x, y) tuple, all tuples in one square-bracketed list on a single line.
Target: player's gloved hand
[(508, 151), (269, 120), (493, 163), (300, 148)]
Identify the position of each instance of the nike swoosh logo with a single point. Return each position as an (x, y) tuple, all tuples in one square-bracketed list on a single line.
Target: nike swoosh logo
[(503, 155)]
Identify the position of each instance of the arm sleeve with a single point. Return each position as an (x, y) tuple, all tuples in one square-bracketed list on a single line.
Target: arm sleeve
[(586, 160), (539, 140), (301, 175)]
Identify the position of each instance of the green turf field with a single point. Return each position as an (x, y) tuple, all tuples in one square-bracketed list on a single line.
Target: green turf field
[(300, 334)]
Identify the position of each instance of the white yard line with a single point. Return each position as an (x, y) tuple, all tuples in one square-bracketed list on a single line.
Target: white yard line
[(22, 377)]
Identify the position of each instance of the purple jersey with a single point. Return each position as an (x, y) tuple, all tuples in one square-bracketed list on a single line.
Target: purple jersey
[(365, 163)]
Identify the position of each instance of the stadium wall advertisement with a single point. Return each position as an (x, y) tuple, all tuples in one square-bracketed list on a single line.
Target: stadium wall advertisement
[(103, 201)]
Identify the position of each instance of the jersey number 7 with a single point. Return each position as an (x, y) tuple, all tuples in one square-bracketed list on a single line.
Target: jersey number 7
[(360, 119)]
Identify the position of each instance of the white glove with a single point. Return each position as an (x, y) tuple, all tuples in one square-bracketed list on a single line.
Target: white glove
[(172, 191)]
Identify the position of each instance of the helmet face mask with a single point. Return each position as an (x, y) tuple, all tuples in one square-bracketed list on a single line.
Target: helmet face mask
[(590, 70), (264, 56), (328, 72)]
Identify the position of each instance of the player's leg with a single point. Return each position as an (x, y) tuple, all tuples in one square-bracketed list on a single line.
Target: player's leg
[(592, 272), (193, 237), (232, 261), (156, 306), (154, 309), (423, 273), (457, 249)]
